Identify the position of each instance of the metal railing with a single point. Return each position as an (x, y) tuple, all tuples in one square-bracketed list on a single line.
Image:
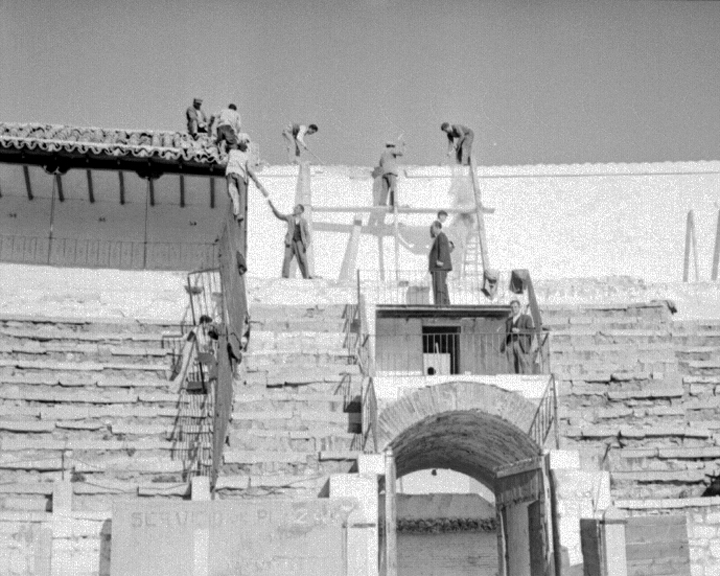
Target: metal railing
[(357, 338), (414, 288), (546, 416), (454, 351), (205, 291)]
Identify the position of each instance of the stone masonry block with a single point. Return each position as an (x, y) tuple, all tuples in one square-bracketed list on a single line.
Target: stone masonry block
[(26, 426)]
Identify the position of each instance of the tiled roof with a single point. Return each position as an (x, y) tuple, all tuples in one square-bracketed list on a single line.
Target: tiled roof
[(73, 140)]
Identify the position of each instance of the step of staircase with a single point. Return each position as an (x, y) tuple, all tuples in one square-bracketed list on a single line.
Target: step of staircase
[(296, 420), (92, 399)]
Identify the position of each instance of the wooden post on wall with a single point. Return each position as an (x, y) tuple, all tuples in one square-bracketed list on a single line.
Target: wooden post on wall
[(390, 514), (716, 252), (690, 244), (305, 193)]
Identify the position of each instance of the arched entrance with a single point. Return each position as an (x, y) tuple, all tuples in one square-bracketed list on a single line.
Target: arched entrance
[(482, 431)]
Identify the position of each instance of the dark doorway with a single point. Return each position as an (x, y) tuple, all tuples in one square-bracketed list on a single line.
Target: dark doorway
[(441, 347)]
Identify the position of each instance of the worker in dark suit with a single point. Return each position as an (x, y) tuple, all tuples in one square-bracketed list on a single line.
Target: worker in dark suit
[(518, 339), (440, 264), (297, 239)]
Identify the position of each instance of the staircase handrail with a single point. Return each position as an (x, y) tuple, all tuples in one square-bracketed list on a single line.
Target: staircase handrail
[(546, 415), (364, 358)]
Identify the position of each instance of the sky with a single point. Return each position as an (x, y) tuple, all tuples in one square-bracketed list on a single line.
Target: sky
[(539, 81)]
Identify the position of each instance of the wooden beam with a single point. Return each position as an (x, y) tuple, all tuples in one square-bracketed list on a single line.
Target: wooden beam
[(479, 215), (182, 191), (690, 245), (61, 193), (212, 192), (400, 210), (349, 263), (121, 178), (716, 252), (91, 192), (305, 194), (28, 184)]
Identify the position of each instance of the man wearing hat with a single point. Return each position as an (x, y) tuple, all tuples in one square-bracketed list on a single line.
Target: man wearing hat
[(389, 172), (197, 121)]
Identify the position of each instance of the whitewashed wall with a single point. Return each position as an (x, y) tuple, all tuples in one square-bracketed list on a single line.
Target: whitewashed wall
[(557, 221)]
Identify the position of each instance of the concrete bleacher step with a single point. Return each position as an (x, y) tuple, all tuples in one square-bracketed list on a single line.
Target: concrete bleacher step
[(297, 419), (92, 399)]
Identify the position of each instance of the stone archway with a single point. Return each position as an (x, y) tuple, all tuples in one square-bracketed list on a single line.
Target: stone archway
[(482, 431)]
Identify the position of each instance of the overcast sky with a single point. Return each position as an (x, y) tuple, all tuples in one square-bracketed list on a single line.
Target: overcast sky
[(540, 81)]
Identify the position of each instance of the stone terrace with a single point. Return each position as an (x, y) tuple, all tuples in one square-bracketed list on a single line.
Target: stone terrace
[(91, 400), (637, 396), (296, 415)]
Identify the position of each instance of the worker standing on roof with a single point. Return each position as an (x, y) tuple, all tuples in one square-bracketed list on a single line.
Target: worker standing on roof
[(460, 139), (227, 124), (389, 172), (297, 239), (237, 174), (197, 122), (294, 135)]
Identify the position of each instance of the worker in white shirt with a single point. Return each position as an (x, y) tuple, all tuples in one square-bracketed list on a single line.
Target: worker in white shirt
[(237, 174), (227, 125), (294, 135)]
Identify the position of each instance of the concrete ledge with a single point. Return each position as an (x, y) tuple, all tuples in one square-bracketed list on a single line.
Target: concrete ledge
[(670, 503), (660, 476)]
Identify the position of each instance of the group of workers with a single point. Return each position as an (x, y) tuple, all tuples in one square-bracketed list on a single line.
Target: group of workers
[(226, 129)]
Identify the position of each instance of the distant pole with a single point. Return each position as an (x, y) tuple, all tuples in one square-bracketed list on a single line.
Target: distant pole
[(716, 252), (690, 244)]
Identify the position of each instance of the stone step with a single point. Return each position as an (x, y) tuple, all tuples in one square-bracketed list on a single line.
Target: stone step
[(84, 366), (289, 376), (269, 358), (261, 312), (312, 325), (82, 355), (280, 400), (87, 325), (55, 335), (55, 395), (295, 483), (311, 342), (276, 443)]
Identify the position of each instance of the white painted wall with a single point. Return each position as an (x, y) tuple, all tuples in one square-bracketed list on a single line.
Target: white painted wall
[(557, 221)]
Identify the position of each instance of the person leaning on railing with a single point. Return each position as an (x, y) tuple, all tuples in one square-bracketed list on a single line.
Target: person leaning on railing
[(518, 339)]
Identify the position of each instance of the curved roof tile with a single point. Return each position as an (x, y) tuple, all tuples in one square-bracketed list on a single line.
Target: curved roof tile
[(170, 146)]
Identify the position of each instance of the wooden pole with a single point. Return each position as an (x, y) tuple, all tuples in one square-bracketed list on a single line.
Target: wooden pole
[(695, 251), (686, 258), (690, 244), (716, 252), (349, 263), (390, 514), (396, 234), (479, 215), (306, 201)]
